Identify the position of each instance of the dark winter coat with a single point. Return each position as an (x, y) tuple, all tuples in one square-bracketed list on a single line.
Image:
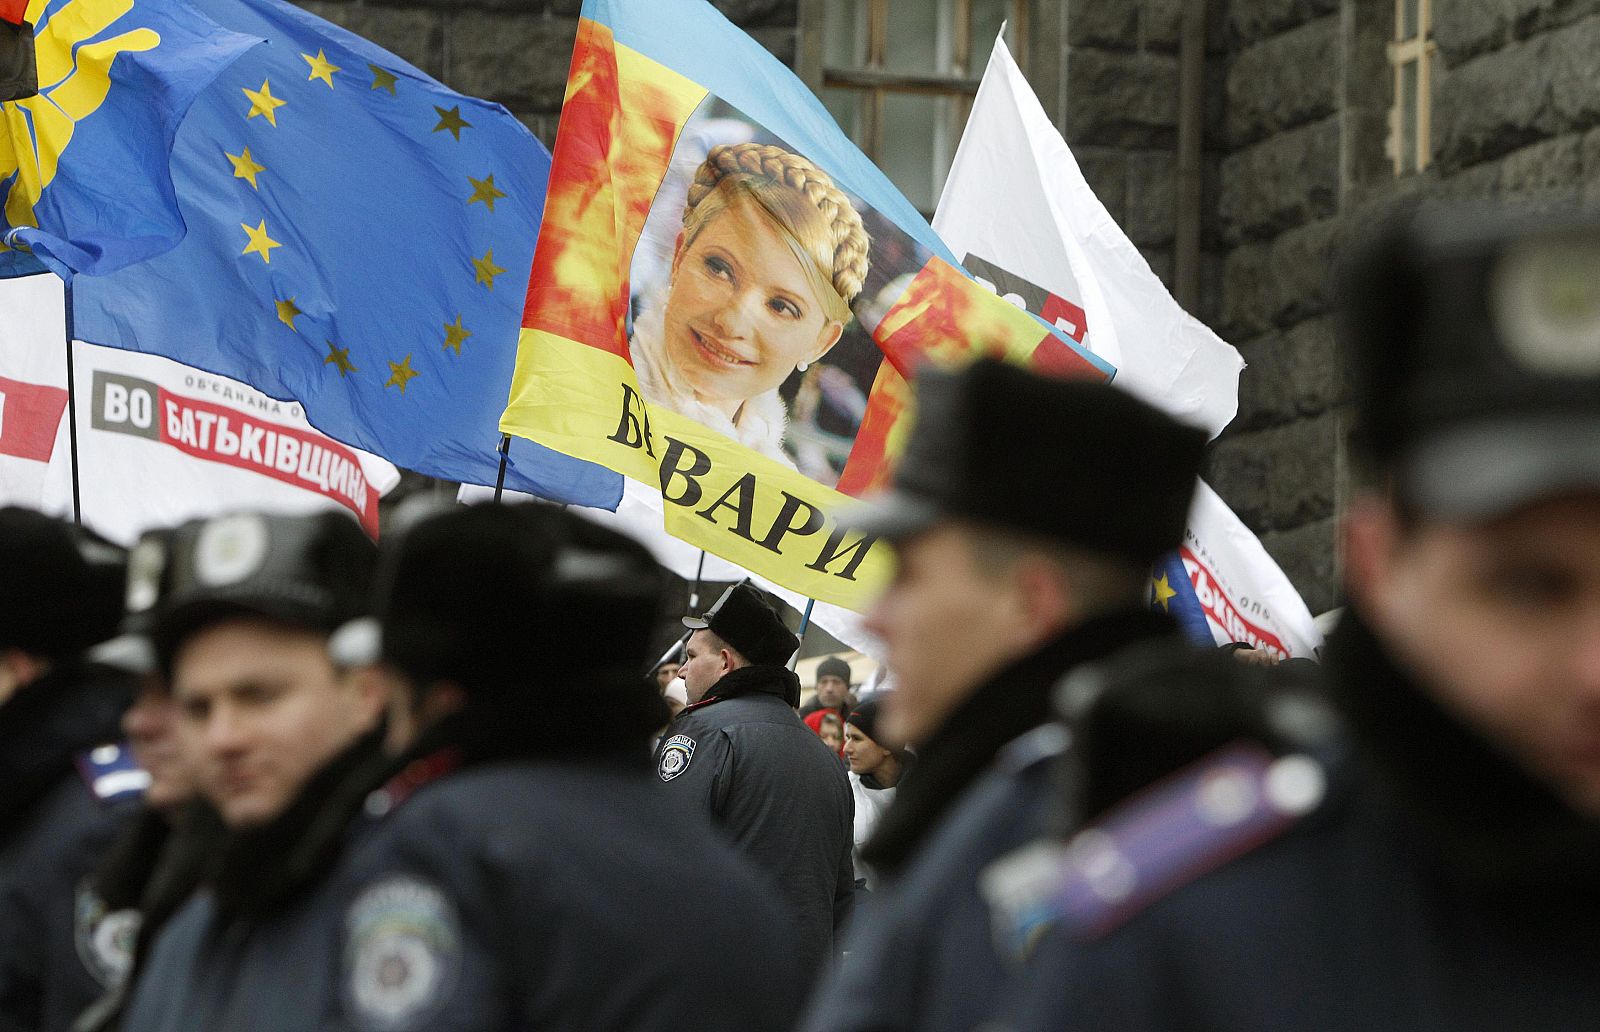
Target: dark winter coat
[(1437, 888), (742, 757)]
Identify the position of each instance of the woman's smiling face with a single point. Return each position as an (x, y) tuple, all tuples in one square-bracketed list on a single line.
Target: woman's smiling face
[(742, 312)]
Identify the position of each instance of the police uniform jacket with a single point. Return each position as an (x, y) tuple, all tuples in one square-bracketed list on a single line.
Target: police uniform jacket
[(743, 757), (504, 890), (926, 958), (255, 948), (1437, 888), (66, 788)]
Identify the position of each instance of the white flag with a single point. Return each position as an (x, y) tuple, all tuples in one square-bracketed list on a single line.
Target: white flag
[(1018, 213), (160, 442), (639, 516), (33, 384), (1240, 590)]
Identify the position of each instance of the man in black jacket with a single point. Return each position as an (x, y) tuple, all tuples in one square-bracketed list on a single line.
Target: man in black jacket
[(67, 785), (1025, 516), (272, 729), (523, 870), (1437, 873), (739, 753)]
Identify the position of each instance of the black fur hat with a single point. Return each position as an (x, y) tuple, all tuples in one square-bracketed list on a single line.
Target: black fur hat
[(1074, 461)]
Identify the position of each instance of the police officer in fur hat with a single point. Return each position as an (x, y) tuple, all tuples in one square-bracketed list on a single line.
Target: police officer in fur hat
[(1025, 515), (739, 753), (67, 783), (524, 870), (241, 610), (1437, 872)]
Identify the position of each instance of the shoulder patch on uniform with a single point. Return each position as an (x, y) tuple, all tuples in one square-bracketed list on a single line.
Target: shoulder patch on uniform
[(675, 757), (1174, 832), (104, 938), (402, 953), (110, 772)]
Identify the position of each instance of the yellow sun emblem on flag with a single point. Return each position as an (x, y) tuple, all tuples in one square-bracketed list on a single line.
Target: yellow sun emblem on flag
[(74, 80)]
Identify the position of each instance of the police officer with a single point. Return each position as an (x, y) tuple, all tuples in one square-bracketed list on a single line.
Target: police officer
[(1447, 878), (523, 871), (739, 753), (1025, 516), (273, 730), (66, 782)]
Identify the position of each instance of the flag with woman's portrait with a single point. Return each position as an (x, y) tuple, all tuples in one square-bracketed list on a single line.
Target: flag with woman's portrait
[(728, 300)]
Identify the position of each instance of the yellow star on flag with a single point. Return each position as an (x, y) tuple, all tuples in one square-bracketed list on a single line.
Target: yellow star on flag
[(400, 374), (260, 243), (486, 268), (382, 79), (1165, 592), (263, 103), (484, 190), (451, 120), (321, 68), (287, 311), (340, 359), (245, 167), (455, 334)]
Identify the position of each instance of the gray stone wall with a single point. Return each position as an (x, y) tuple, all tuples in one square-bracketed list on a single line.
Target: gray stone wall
[(1303, 167)]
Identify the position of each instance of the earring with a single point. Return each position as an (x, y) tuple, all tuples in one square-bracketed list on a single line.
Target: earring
[(802, 367)]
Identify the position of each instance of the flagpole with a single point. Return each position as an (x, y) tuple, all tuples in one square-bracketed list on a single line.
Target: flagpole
[(805, 625), (694, 593), (72, 410), (500, 478)]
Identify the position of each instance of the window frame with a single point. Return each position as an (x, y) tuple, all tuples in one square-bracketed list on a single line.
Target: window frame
[(1403, 52), (872, 81)]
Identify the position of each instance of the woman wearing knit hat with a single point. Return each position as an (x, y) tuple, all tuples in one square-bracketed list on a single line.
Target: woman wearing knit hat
[(875, 770)]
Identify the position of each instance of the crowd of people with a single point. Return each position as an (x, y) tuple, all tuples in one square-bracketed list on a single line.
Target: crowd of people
[(260, 773)]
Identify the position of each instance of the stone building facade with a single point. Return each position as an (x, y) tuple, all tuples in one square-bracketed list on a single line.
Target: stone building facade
[(1297, 154)]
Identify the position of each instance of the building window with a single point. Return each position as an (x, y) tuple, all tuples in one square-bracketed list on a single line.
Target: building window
[(899, 76), (1411, 56)]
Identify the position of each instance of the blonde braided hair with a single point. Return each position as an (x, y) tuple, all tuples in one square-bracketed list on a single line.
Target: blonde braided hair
[(800, 198)]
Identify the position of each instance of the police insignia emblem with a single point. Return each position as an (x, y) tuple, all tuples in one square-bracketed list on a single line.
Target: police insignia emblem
[(104, 937), (402, 953), (230, 549), (675, 757)]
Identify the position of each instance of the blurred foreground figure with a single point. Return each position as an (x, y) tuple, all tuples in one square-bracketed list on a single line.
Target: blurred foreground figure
[(1025, 517), (524, 870), (67, 784), (1439, 871), (272, 730)]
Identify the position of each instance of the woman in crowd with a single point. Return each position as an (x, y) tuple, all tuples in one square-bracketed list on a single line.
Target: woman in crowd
[(875, 770)]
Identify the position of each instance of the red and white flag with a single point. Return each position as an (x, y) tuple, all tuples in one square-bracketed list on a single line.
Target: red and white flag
[(1242, 593), (33, 384), (160, 442), (1019, 214)]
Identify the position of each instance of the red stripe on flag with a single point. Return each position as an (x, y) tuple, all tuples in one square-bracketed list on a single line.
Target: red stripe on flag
[(30, 413), (13, 11)]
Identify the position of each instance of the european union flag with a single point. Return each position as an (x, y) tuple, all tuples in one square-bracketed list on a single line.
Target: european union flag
[(359, 241), (1172, 592), (83, 165)]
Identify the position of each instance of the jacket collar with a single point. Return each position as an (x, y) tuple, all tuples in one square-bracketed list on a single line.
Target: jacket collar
[(262, 869), (1011, 703), (756, 679), (1485, 823)]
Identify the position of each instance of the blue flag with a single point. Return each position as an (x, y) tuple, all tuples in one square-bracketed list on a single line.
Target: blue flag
[(359, 241), (83, 165), (1172, 593)]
